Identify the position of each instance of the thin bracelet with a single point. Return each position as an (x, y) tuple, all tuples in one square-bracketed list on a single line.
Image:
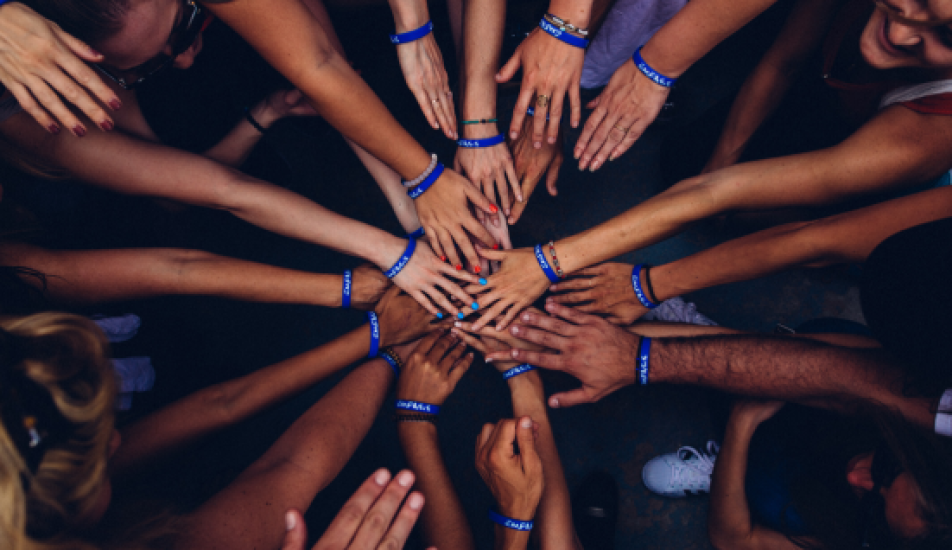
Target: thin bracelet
[(417, 406), (565, 25), (544, 264), (649, 287), (480, 143), (392, 359), (636, 285), (644, 358), (509, 523), (410, 36), (374, 334), (403, 261), (415, 418), (425, 184), (564, 36), (345, 292), (652, 74), (480, 121), (429, 169), (248, 116), (555, 261), (516, 371)]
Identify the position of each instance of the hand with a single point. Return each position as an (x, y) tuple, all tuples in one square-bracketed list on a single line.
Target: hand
[(754, 410), (499, 230), (446, 218), (423, 70), (623, 110), (489, 168), (434, 368), (402, 319), (488, 340), (517, 284), (531, 163), (607, 289), (601, 355), (280, 104), (551, 68), (39, 63), (367, 287), (425, 275), (372, 518), (515, 479)]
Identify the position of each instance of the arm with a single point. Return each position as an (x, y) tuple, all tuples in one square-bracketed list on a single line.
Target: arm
[(97, 276), (728, 520), (768, 83)]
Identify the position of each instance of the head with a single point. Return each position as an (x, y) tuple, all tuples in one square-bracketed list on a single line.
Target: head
[(57, 392), (910, 34)]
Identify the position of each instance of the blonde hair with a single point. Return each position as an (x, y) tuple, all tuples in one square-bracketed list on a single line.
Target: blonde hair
[(67, 356)]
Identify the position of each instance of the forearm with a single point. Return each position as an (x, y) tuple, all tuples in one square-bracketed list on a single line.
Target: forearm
[(577, 12), (554, 524), (483, 24), (235, 147), (409, 14), (444, 522), (728, 517), (228, 403), (389, 182), (509, 539)]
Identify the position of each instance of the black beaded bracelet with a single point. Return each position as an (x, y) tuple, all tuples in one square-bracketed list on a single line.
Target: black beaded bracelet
[(251, 120), (648, 286), (431, 418)]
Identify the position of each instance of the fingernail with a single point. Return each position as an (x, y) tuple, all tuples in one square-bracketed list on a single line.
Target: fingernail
[(460, 315), (439, 315), (537, 145), (611, 158), (54, 129), (549, 306), (106, 125), (515, 329), (405, 479), (115, 104), (457, 324), (493, 208), (477, 269), (475, 306), (442, 258), (382, 477), (94, 52), (594, 166), (526, 422), (482, 281), (508, 212), (459, 267), (496, 246), (79, 130), (551, 140), (513, 135), (489, 359), (290, 521), (525, 317), (554, 403), (416, 501), (576, 154)]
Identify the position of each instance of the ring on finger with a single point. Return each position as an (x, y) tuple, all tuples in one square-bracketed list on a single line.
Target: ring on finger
[(623, 130), (542, 101), (435, 101)]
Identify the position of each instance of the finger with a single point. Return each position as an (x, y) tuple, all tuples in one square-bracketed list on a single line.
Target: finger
[(539, 336), (513, 179), (441, 112), (435, 245), (634, 132), (495, 311), (483, 438), (573, 297), (428, 342), (555, 116), (348, 520), (570, 398), (503, 437), (78, 47), (540, 359), (378, 519), (481, 201), (39, 114), (527, 446), (83, 73), (496, 255), (444, 344), (456, 292), (581, 280), (480, 233), (616, 134), (446, 113), (605, 132), (588, 132), (575, 100), (489, 190), (517, 211), (569, 314), (296, 536), (471, 341), (441, 301), (460, 366), (449, 248), (427, 107), (552, 175), (424, 301), (502, 187), (400, 530), (538, 120), (594, 103), (69, 90), (526, 97)]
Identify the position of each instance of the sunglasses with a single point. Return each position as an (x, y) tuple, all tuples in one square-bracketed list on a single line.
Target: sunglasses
[(182, 37)]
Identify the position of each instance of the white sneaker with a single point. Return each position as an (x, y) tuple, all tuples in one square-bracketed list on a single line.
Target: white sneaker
[(677, 474)]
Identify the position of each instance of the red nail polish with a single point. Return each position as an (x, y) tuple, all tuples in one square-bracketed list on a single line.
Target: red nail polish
[(492, 207), (458, 267), (79, 131), (442, 258), (496, 246), (54, 129), (477, 269), (115, 104), (106, 125)]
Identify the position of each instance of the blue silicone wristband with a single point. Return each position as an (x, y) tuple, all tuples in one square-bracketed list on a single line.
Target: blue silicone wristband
[(516, 371), (639, 292), (480, 143), (415, 34), (345, 292), (417, 234), (544, 264), (374, 334), (403, 261), (510, 523), (425, 184), (564, 36), (417, 406), (646, 70), (391, 362), (644, 358)]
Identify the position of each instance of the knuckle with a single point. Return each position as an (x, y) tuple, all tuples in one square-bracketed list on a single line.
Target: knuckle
[(390, 542)]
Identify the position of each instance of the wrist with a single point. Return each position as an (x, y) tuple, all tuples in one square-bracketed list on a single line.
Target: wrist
[(658, 59), (571, 11), (526, 388), (409, 15), (387, 252), (509, 539), (263, 114), (479, 131)]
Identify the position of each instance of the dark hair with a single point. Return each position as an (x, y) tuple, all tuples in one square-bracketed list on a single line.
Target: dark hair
[(89, 20)]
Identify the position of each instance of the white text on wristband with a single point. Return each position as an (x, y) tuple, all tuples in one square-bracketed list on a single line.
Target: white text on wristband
[(417, 406), (403, 261), (516, 371), (374, 334), (652, 74), (509, 523), (644, 361)]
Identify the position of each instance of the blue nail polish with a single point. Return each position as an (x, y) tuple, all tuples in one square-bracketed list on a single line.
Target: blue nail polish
[(439, 315), (460, 315), (482, 281), (475, 306)]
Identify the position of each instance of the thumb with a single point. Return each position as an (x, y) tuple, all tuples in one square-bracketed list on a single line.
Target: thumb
[(527, 444), (489, 254), (594, 103), (509, 69), (296, 536), (292, 96), (552, 176), (569, 399)]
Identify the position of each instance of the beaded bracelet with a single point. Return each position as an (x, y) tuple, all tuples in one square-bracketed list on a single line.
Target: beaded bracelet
[(516, 371), (544, 264), (555, 260), (644, 358), (410, 36), (480, 121), (636, 285), (392, 359), (429, 169), (374, 334), (564, 25), (509, 523), (345, 293), (652, 74), (403, 261), (480, 143), (415, 418), (417, 406), (564, 36), (429, 181)]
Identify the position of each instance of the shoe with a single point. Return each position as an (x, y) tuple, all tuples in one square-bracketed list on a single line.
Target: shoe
[(676, 310), (677, 474), (595, 511)]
